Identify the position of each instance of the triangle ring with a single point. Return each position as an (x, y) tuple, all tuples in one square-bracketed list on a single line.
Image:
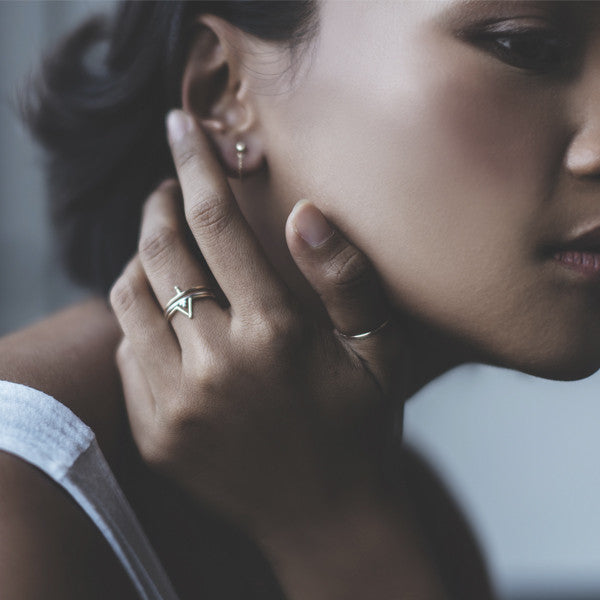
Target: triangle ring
[(182, 301)]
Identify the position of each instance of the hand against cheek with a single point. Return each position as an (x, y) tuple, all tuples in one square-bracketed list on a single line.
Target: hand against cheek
[(256, 410)]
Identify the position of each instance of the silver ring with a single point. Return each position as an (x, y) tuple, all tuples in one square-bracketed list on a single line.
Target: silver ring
[(366, 334), (182, 301)]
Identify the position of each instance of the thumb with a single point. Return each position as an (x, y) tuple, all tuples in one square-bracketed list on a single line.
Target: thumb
[(340, 273)]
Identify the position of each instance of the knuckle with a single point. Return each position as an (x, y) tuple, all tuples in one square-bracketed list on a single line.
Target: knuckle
[(203, 362), (155, 245), (148, 441), (157, 443), (285, 328), (348, 271), (177, 418), (205, 385), (152, 450), (124, 294), (211, 384), (209, 212), (279, 331)]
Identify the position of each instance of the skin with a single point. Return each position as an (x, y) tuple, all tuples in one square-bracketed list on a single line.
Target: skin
[(449, 168), (495, 163), (242, 380)]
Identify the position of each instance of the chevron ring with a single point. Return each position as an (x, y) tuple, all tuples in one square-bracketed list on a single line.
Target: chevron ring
[(182, 301)]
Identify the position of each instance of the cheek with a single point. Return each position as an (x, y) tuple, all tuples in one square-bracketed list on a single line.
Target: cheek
[(443, 177), (462, 182), (437, 177)]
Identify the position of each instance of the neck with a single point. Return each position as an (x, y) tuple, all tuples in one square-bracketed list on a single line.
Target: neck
[(432, 353)]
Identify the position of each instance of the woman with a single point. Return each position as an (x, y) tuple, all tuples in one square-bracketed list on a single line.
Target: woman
[(451, 156)]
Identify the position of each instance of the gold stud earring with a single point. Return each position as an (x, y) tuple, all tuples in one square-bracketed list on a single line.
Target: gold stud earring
[(241, 149)]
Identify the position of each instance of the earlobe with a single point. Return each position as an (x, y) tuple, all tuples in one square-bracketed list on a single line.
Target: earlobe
[(215, 91)]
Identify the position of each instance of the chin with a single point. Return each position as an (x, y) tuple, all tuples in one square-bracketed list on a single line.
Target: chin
[(563, 367)]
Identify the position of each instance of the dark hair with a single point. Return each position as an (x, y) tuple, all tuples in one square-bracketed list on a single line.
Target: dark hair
[(101, 120)]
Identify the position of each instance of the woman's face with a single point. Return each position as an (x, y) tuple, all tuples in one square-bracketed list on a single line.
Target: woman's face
[(454, 154)]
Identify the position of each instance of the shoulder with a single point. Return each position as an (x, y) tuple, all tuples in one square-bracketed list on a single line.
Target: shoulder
[(49, 547), (71, 357)]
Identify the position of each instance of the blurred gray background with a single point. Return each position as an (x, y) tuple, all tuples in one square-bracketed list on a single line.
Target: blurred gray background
[(521, 454)]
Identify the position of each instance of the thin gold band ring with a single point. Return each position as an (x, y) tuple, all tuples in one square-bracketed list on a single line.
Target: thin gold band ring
[(366, 334)]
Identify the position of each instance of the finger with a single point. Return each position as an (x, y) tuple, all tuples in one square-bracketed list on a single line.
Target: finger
[(341, 274), (227, 242), (168, 262), (143, 323), (139, 400)]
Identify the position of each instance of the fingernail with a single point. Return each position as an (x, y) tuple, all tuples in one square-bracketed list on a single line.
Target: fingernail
[(178, 124), (310, 224)]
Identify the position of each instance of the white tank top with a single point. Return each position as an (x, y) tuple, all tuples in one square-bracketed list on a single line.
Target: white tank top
[(45, 433)]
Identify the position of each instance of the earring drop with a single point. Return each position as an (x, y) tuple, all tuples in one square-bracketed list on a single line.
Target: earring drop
[(241, 149)]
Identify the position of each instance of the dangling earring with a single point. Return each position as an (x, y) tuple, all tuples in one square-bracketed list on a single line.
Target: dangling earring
[(241, 148)]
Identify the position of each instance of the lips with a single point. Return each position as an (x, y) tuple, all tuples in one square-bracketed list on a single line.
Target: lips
[(581, 253), (584, 262)]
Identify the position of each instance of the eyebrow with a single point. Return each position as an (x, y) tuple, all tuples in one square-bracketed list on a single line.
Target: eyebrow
[(461, 12)]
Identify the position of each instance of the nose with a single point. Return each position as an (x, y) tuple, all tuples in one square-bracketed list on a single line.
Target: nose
[(583, 157), (583, 154)]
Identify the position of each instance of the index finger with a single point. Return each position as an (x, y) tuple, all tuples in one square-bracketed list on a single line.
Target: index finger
[(227, 242)]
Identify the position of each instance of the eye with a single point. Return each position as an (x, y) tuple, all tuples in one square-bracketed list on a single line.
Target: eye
[(536, 50)]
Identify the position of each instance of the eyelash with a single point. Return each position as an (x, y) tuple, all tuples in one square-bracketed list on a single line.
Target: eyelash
[(556, 49)]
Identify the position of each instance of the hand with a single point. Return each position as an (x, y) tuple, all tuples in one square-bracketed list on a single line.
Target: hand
[(265, 414)]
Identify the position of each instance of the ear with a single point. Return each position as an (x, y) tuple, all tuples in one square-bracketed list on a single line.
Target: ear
[(216, 92)]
